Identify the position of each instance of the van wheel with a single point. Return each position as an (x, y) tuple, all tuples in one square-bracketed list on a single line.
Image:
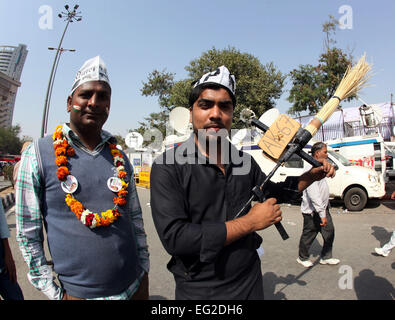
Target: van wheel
[(355, 199)]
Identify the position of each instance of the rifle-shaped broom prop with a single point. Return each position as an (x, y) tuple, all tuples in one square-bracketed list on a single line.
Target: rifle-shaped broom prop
[(353, 81)]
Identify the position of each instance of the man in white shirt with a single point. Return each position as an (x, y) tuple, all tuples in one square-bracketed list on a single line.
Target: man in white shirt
[(316, 216)]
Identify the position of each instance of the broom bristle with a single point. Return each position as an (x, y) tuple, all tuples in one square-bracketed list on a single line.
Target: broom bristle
[(353, 81)]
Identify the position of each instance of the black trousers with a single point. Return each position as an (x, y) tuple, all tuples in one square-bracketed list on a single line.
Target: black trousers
[(311, 227)]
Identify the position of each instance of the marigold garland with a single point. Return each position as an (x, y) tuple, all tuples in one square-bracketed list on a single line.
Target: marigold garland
[(88, 218)]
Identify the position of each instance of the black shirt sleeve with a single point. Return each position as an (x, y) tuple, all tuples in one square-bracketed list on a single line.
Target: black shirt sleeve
[(169, 208)]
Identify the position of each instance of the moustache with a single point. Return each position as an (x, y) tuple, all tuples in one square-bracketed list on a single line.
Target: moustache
[(96, 113), (214, 125)]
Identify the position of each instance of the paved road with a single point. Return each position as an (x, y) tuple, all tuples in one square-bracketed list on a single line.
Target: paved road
[(361, 274)]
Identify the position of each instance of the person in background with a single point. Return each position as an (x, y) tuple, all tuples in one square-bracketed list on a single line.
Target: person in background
[(316, 216), (385, 250), (9, 287)]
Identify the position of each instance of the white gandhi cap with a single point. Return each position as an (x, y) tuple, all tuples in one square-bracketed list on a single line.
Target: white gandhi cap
[(93, 69)]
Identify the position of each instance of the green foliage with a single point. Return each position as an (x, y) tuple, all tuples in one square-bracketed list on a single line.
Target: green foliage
[(313, 86), (159, 84), (9, 140), (257, 85), (328, 28), (149, 128)]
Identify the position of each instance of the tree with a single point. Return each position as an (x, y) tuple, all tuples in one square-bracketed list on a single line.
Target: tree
[(313, 86), (159, 84), (121, 141), (257, 85), (9, 140)]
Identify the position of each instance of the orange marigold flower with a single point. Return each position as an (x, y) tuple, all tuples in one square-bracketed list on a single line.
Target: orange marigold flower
[(69, 199), (77, 208), (122, 174), (119, 201), (65, 144), (116, 152), (104, 222), (70, 151), (116, 213), (122, 193), (61, 144), (98, 220), (62, 173), (58, 132), (60, 151), (57, 135), (61, 160)]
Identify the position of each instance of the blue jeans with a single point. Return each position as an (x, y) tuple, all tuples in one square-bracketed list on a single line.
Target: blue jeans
[(9, 290)]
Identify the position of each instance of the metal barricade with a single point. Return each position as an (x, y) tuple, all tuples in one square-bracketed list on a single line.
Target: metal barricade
[(142, 176)]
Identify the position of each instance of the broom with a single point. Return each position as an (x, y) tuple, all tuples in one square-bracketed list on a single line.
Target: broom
[(353, 81)]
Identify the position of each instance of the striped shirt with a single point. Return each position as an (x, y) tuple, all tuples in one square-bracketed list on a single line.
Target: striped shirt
[(29, 222)]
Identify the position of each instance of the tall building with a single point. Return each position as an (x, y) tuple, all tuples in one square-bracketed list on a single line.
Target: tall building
[(8, 89), (12, 60)]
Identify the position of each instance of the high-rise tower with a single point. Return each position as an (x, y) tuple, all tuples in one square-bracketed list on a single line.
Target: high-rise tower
[(12, 60)]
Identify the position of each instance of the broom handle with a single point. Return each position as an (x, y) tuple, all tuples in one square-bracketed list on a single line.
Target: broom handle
[(327, 110), (353, 80)]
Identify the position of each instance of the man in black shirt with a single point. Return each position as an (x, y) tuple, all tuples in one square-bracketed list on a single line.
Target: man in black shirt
[(197, 189)]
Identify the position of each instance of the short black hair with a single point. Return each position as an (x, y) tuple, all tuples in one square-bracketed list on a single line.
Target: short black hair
[(195, 92), (317, 146)]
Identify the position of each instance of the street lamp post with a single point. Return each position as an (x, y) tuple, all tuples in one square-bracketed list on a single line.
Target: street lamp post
[(69, 16), (61, 50)]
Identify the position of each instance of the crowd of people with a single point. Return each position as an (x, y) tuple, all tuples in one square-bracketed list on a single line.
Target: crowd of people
[(78, 187)]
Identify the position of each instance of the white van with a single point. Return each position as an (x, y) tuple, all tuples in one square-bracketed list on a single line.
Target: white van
[(367, 151), (390, 159), (353, 184)]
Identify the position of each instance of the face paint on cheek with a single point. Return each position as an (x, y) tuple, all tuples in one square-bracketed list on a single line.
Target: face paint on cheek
[(76, 108)]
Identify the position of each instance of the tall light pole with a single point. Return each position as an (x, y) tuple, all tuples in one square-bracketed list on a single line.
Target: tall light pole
[(69, 16), (61, 50)]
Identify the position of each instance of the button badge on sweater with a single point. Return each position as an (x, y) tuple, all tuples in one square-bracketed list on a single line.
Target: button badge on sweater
[(114, 184), (70, 185)]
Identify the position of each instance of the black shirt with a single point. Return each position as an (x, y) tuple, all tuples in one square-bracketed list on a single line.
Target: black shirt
[(191, 200)]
